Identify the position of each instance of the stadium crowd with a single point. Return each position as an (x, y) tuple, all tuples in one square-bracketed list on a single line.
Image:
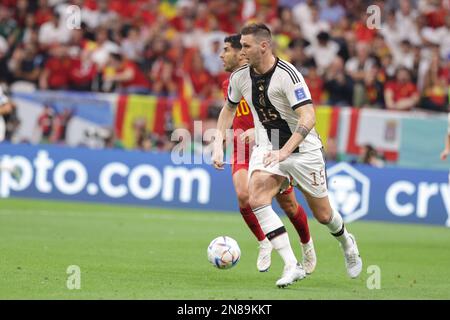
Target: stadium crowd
[(158, 47)]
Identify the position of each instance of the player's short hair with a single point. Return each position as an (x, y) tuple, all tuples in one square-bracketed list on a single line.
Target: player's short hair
[(258, 30), (234, 40)]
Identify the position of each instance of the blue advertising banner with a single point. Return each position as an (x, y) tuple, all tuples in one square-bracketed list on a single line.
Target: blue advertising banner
[(154, 180)]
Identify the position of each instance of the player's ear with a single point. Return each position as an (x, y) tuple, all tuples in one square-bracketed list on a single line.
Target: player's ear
[(264, 45)]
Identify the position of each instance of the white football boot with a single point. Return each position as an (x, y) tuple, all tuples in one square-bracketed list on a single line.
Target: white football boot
[(291, 273), (353, 261), (264, 256), (309, 259)]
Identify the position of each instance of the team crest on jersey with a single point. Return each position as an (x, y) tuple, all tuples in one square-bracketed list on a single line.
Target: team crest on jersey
[(300, 94)]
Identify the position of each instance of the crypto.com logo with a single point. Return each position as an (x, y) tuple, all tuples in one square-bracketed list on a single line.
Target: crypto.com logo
[(348, 191)]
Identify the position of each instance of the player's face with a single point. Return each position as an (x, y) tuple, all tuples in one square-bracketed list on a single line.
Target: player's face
[(230, 57), (251, 49)]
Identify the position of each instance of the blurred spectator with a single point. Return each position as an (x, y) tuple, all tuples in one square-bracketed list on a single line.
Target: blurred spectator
[(126, 75), (404, 55), (323, 50), (200, 78), (132, 45), (43, 13), (435, 92), (369, 93), (165, 81), (315, 84), (45, 123), (406, 17), (331, 11), (56, 72), (101, 16), (401, 93), (213, 63), (26, 64), (338, 84), (357, 67), (297, 56), (53, 32), (102, 48), (439, 36), (9, 30), (60, 123), (315, 26), (368, 155)]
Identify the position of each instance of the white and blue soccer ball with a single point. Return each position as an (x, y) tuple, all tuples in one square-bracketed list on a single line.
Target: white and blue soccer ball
[(224, 252)]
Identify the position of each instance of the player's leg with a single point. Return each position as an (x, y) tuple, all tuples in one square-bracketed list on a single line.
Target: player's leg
[(299, 220), (240, 181), (308, 170), (332, 219), (263, 186)]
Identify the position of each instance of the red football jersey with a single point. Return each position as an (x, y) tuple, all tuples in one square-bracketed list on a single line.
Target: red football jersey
[(243, 118)]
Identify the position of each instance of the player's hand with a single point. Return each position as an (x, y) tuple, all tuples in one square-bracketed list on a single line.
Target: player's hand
[(444, 154), (248, 136), (273, 157), (217, 158)]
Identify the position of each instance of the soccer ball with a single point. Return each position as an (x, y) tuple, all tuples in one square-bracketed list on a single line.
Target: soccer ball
[(223, 252)]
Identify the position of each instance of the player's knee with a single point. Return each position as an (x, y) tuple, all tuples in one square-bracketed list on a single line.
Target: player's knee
[(322, 215), (243, 198), (258, 200)]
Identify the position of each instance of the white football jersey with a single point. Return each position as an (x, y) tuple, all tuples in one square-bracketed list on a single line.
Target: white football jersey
[(273, 98)]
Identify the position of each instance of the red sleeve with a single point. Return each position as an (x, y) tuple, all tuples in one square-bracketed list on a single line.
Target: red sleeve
[(225, 88)]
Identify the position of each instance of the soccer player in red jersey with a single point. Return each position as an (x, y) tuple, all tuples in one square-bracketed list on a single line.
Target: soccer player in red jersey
[(243, 128)]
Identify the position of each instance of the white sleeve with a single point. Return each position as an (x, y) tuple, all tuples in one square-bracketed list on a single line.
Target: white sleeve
[(234, 92), (296, 90)]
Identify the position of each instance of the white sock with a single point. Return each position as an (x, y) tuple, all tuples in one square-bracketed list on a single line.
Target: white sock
[(282, 244), (265, 242), (272, 226), (338, 230)]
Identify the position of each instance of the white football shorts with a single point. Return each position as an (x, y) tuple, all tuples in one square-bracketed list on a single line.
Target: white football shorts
[(304, 170)]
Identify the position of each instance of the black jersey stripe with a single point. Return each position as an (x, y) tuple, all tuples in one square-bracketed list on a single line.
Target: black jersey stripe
[(294, 71), (290, 74), (301, 104), (290, 70)]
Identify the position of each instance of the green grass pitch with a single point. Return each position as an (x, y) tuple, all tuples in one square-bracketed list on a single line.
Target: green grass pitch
[(139, 253)]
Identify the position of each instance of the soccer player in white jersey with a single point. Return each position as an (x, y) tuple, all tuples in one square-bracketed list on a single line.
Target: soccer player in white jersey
[(287, 147), (5, 108)]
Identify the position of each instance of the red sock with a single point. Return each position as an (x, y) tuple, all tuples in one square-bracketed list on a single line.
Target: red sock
[(300, 222), (252, 222)]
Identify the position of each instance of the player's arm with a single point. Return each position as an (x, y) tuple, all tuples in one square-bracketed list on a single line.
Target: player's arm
[(225, 122), (306, 122), (446, 150)]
